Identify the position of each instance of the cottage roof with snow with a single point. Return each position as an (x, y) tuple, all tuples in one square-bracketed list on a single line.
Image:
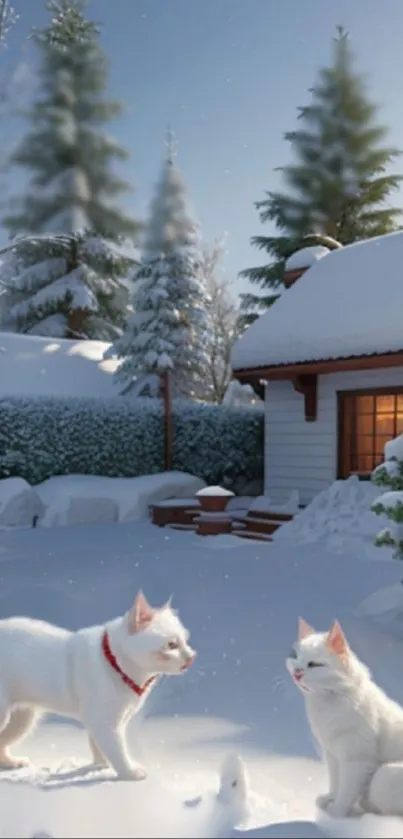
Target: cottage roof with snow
[(34, 366), (347, 305)]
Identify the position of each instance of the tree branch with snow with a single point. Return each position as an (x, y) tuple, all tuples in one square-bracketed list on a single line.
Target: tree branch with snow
[(389, 477)]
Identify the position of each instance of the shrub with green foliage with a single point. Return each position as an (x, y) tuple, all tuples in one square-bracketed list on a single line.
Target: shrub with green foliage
[(41, 437), (389, 477)]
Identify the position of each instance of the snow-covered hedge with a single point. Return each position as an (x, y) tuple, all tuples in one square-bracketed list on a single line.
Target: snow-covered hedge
[(41, 437)]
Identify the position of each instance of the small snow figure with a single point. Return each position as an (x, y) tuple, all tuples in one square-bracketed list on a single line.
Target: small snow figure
[(234, 786)]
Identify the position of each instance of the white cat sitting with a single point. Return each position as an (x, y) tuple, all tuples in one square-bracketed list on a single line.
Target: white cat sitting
[(359, 728), (100, 675)]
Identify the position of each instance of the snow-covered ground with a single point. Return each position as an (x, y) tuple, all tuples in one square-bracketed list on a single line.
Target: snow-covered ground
[(241, 601), (35, 366)]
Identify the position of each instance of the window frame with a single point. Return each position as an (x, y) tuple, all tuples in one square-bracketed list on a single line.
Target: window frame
[(342, 396)]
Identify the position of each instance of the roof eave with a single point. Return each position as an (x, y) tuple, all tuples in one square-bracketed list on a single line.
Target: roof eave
[(320, 367)]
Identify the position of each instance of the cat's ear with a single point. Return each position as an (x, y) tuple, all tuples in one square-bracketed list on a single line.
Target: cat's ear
[(304, 629), (336, 641), (168, 604), (141, 614)]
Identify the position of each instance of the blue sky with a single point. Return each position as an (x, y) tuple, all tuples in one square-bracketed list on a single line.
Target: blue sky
[(229, 76)]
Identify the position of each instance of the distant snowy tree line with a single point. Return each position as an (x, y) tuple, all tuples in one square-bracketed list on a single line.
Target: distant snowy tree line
[(162, 301), (80, 267)]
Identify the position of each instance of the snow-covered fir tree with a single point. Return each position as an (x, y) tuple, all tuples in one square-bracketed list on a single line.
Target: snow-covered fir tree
[(67, 286), (169, 329), (69, 160), (389, 477), (339, 182)]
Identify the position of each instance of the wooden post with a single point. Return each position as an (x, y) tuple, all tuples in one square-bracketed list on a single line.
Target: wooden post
[(168, 435)]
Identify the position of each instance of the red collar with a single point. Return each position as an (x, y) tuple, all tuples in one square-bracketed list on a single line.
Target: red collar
[(111, 659)]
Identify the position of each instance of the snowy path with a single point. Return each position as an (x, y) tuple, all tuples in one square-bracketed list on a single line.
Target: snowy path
[(241, 602)]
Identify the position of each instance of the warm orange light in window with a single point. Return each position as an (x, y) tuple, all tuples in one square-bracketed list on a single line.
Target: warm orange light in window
[(382, 417)]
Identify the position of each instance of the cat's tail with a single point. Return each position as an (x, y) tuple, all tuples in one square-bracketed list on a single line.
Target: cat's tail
[(385, 794)]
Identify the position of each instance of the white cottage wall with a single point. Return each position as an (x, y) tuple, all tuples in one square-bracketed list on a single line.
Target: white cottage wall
[(303, 455)]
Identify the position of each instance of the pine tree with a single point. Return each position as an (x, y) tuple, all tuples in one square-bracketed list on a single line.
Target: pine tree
[(169, 329), (389, 476), (338, 184), (67, 286), (72, 185)]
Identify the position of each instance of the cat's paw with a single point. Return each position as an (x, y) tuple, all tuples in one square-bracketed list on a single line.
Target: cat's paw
[(135, 773), (8, 762), (139, 773), (323, 801), (336, 810)]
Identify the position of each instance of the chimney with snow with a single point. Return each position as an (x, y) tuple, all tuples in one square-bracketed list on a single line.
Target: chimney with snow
[(300, 261)]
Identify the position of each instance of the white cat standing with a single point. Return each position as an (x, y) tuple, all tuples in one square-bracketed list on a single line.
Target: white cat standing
[(100, 675), (359, 728)]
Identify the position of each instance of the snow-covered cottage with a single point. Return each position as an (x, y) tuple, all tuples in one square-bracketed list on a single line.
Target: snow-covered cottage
[(330, 352)]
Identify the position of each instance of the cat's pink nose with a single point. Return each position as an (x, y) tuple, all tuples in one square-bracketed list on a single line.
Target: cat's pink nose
[(298, 674), (189, 661)]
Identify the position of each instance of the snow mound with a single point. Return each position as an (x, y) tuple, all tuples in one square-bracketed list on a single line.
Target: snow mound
[(20, 504), (87, 499), (339, 516), (35, 366), (386, 602), (105, 811)]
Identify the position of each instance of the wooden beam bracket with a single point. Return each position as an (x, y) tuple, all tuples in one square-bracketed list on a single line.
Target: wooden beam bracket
[(307, 384)]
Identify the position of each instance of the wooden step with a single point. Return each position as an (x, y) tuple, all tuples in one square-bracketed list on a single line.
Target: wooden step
[(177, 511), (178, 526), (264, 514), (250, 534), (258, 525)]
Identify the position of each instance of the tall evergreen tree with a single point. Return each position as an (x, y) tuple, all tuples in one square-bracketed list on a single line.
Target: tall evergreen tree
[(339, 183), (70, 160), (169, 329)]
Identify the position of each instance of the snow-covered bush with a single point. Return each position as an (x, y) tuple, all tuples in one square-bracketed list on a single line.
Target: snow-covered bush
[(42, 436), (389, 476)]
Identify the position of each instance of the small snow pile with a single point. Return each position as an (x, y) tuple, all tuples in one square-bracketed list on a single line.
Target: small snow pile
[(89, 499), (340, 516), (239, 394), (20, 504), (234, 789), (214, 491)]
